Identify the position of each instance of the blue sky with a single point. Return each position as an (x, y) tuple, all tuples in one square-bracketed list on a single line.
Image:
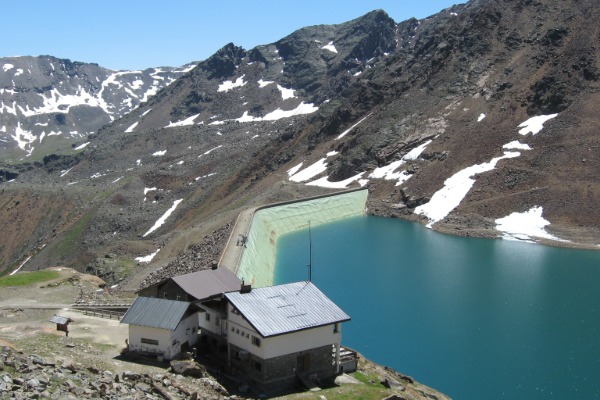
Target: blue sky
[(137, 34)]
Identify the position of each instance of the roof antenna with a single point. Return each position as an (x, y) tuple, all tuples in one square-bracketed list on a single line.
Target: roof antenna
[(309, 254)]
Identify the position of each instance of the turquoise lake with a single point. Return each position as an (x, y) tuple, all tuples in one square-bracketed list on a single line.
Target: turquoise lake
[(472, 318)]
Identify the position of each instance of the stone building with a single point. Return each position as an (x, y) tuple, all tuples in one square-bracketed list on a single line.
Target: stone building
[(280, 334), (272, 338)]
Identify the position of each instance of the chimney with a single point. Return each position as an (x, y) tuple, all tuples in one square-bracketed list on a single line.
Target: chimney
[(245, 288)]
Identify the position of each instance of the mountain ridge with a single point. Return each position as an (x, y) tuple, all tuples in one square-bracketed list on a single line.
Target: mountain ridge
[(402, 107), (50, 103)]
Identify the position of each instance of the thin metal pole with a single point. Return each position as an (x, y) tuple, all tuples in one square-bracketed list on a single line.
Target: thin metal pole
[(309, 254)]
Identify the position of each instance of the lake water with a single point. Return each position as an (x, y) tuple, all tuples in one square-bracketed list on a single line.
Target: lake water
[(472, 318)]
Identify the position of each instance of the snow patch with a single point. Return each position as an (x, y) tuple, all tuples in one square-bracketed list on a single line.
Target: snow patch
[(329, 46), (455, 189), (132, 127), (163, 219), (65, 171), (205, 176), (23, 138), (311, 171), (186, 122), (352, 127), (294, 169), (148, 258), (303, 108), (228, 85), (286, 93), (159, 153), (387, 172), (523, 226), (262, 83), (516, 145), (7, 67), (81, 146), (481, 117), (324, 182), (535, 124), (210, 151)]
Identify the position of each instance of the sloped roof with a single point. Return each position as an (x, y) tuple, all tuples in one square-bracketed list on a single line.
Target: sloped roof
[(286, 308), (155, 313), (208, 283), (57, 319)]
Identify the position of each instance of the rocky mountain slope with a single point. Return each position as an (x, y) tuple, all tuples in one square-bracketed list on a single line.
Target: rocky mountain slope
[(47, 104), (477, 121)]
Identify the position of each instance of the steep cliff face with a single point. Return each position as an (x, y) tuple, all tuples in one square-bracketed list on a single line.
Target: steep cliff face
[(481, 112)]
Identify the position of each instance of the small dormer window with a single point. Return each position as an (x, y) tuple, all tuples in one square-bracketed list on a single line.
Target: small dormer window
[(255, 341)]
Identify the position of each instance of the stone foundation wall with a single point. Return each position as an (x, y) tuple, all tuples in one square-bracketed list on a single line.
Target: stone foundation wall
[(279, 373)]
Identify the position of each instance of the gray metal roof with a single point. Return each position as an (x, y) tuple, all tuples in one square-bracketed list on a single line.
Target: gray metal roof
[(57, 319), (155, 313), (286, 308), (208, 283)]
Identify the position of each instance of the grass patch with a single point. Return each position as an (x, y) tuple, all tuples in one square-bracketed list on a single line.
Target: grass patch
[(72, 237), (369, 389), (28, 278)]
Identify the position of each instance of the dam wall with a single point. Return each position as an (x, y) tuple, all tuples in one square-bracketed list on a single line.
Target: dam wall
[(257, 263)]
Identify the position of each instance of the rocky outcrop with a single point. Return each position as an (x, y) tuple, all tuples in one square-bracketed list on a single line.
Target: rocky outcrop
[(29, 376)]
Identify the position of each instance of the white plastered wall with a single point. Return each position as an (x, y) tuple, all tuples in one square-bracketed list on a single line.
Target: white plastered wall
[(276, 346)]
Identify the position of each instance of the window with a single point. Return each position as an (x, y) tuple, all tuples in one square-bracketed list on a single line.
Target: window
[(255, 341), (149, 341), (207, 317), (257, 366), (336, 328)]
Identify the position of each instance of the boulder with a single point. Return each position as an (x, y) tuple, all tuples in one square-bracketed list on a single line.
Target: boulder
[(188, 368)]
